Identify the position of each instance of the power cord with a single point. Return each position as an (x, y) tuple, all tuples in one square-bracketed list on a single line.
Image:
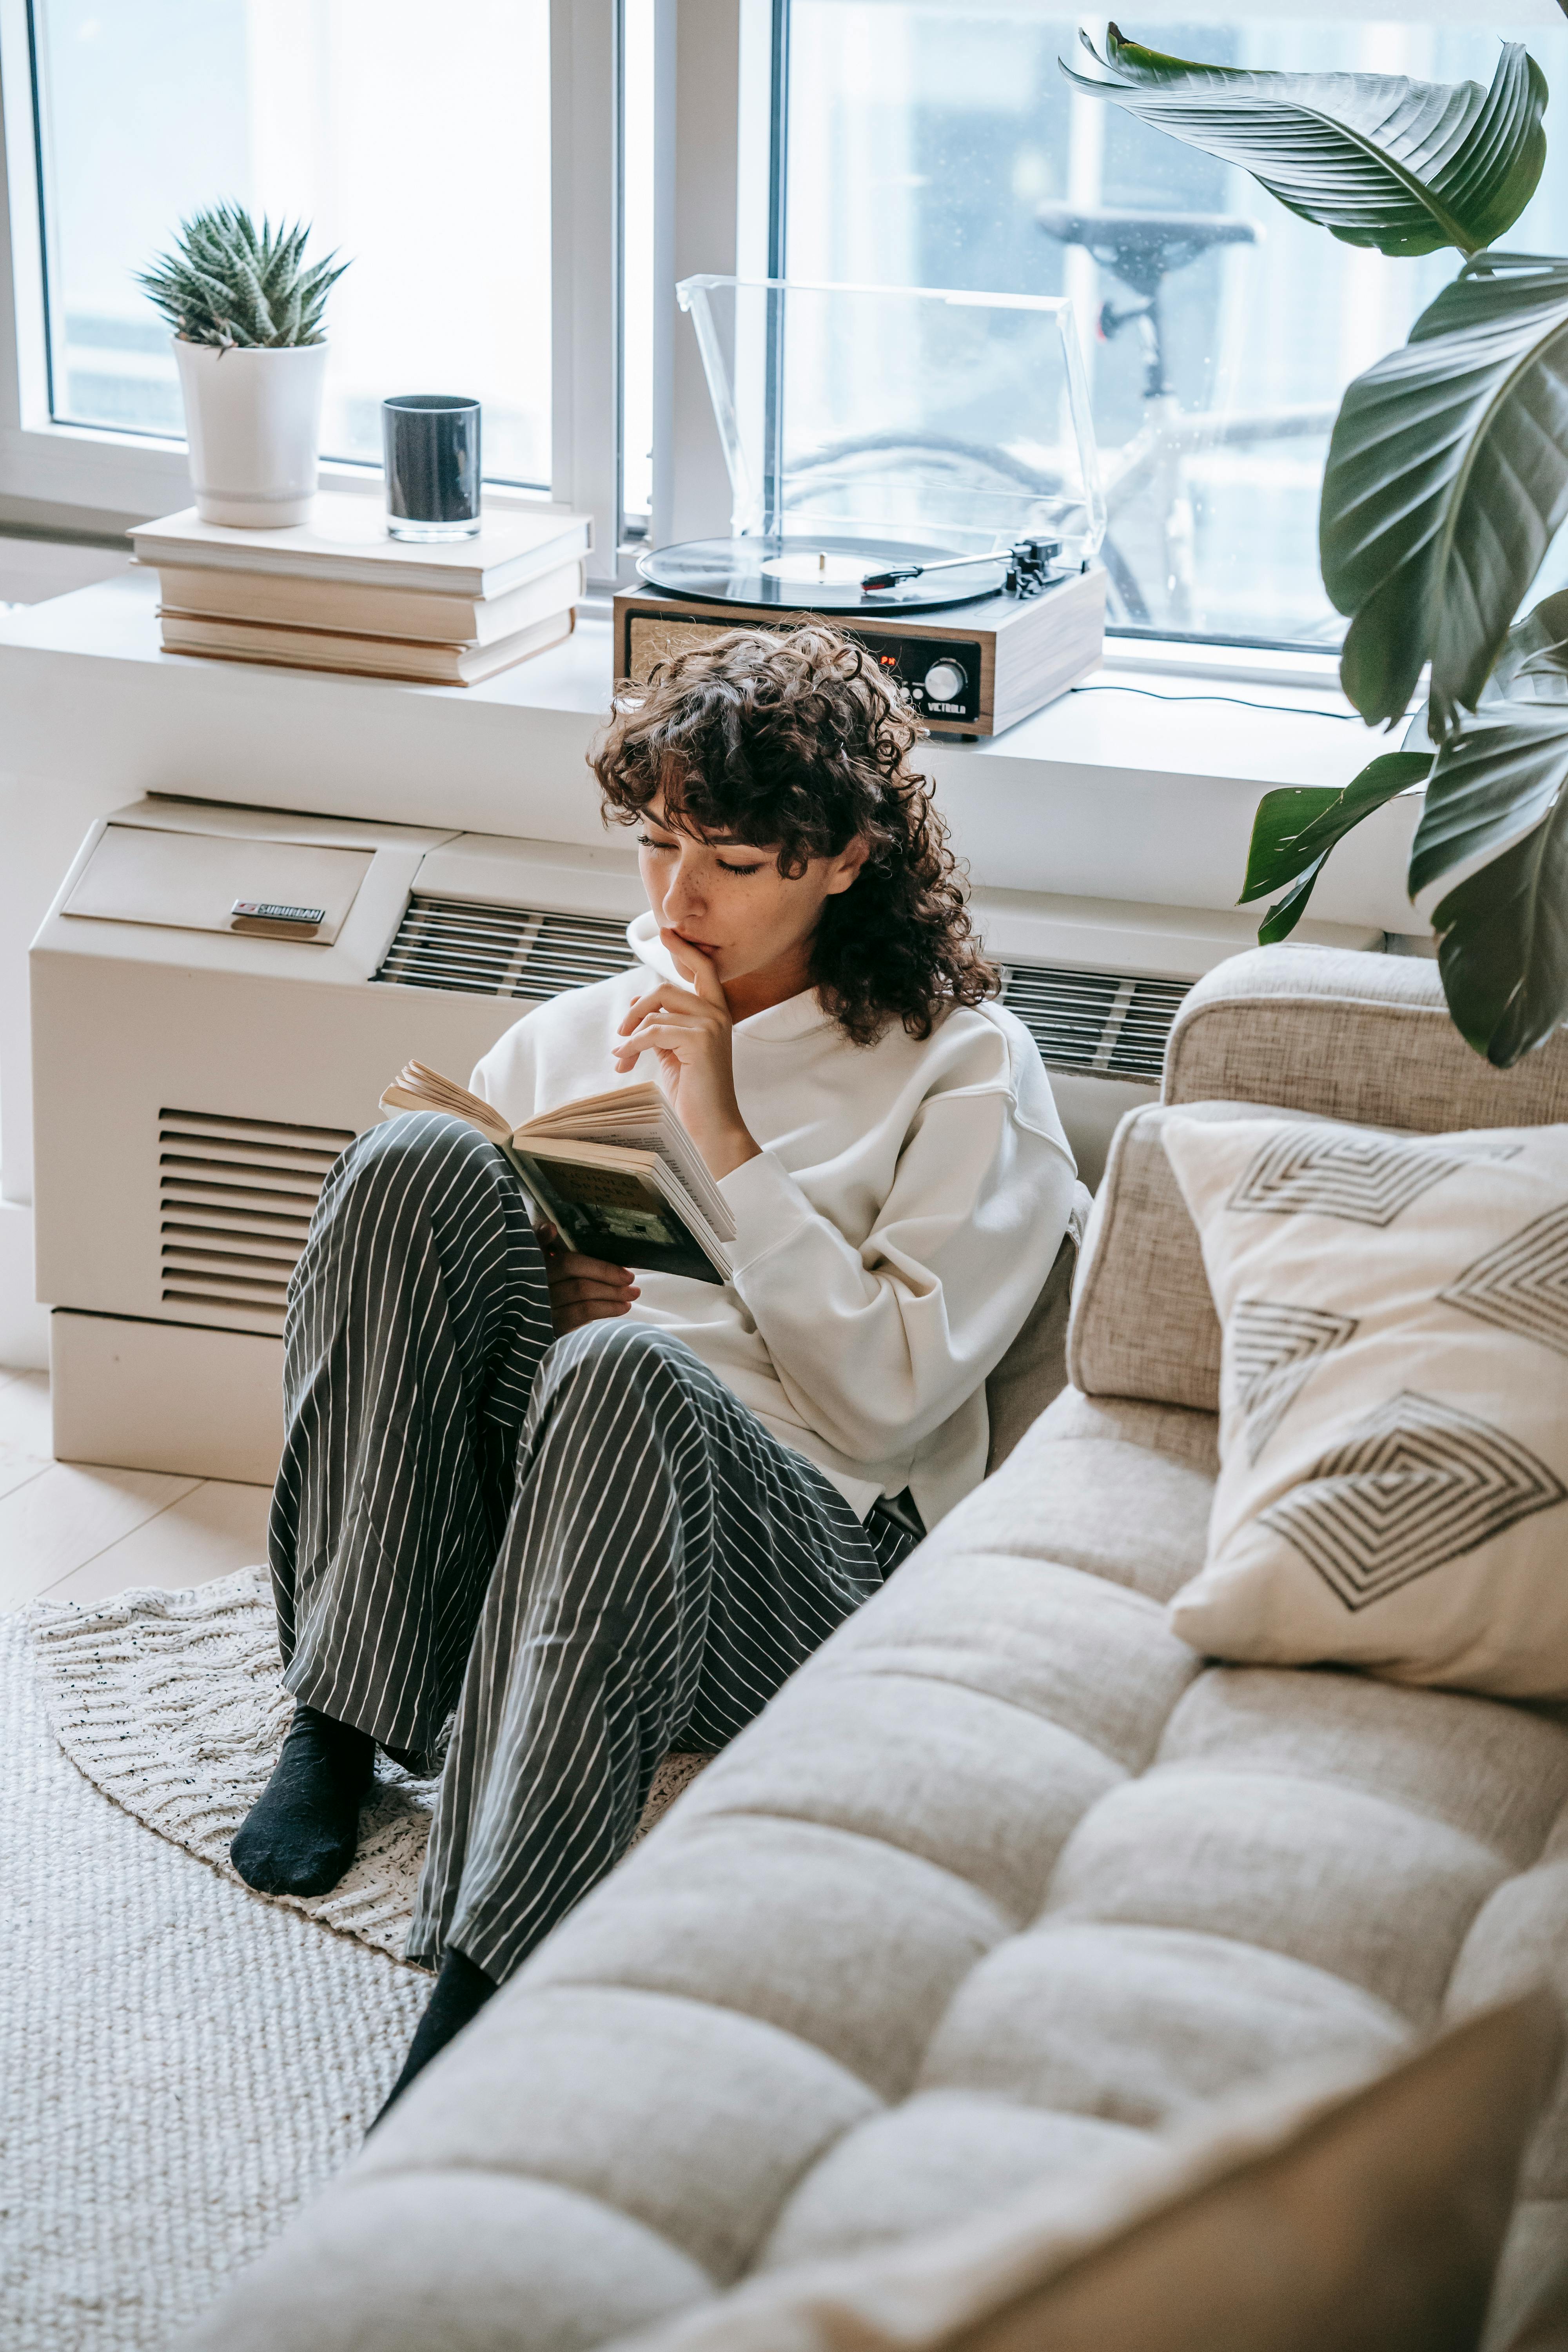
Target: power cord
[(1294, 709)]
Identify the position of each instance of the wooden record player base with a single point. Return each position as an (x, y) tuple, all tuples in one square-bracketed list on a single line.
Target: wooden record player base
[(1028, 650)]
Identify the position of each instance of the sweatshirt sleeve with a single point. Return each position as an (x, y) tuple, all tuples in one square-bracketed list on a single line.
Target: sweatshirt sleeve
[(505, 1078), (877, 1346)]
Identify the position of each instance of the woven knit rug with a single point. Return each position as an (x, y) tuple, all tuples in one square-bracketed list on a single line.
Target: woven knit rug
[(183, 2063), (172, 1704)]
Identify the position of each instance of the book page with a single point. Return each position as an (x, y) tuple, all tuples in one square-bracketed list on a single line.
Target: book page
[(416, 1087)]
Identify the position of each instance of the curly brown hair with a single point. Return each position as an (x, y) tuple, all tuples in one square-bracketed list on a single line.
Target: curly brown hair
[(795, 740)]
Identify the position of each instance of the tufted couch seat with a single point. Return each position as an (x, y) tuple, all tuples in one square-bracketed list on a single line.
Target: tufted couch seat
[(1006, 1876)]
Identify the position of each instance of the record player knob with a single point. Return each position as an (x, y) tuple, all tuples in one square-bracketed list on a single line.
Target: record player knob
[(944, 681)]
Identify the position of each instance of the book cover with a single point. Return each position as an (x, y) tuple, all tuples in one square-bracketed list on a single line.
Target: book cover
[(617, 1214), (347, 540)]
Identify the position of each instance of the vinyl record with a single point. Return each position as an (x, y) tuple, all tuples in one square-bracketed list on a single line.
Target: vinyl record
[(815, 575)]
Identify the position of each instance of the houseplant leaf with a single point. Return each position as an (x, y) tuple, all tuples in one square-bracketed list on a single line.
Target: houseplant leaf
[(1295, 828), (1406, 167), (1503, 942), (1496, 794), (1448, 475), (227, 283), (1499, 778), (1533, 664)]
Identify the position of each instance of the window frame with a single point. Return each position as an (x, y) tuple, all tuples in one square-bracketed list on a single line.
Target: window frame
[(720, 134), (104, 474)]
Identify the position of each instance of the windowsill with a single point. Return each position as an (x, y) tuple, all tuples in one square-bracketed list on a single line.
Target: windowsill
[(360, 477), (1139, 786)]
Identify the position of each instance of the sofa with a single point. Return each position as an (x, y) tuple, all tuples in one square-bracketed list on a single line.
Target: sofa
[(1007, 1878)]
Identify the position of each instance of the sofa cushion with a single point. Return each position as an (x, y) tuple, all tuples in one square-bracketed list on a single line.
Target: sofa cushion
[(1394, 1443), (1004, 1880), (1349, 1036), (1143, 1322), (1369, 2218)]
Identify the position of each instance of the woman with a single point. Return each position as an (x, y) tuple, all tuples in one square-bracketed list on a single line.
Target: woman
[(602, 1516)]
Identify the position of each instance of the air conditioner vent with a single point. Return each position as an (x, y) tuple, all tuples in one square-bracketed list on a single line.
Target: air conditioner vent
[(235, 1198), (488, 950), (1107, 1024)]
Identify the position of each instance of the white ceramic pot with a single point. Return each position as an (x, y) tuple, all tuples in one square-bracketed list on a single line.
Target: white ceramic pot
[(253, 420)]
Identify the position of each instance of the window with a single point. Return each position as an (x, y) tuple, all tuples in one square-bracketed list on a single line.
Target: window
[(417, 144), (521, 186), (933, 147)]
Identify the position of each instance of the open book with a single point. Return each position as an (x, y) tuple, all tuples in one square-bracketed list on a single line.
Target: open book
[(617, 1174)]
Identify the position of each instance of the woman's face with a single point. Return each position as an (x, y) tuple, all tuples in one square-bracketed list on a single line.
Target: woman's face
[(728, 898)]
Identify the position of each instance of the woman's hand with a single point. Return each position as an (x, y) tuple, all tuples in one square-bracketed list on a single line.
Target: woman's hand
[(581, 1289), (688, 1031)]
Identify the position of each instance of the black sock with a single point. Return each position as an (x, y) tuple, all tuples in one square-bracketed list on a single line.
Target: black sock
[(461, 1991), (298, 1837)]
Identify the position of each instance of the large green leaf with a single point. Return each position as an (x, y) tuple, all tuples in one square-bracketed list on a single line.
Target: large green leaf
[(1533, 664), (1295, 828), (1496, 804), (1381, 160), (1504, 943), (1448, 475), (1488, 785)]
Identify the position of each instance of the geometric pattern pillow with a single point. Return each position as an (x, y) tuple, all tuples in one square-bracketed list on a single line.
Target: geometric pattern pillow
[(1394, 1400)]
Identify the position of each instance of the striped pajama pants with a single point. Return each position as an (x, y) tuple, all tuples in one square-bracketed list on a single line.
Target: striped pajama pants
[(578, 1553)]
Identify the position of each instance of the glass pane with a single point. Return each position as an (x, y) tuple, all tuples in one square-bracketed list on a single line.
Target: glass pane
[(418, 145), (927, 149)]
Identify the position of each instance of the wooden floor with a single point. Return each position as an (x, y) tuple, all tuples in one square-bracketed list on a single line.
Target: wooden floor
[(77, 1533)]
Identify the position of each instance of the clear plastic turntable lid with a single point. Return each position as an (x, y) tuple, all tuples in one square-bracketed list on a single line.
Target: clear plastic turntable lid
[(897, 414)]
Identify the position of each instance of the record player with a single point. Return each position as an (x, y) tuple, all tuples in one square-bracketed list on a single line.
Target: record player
[(918, 467)]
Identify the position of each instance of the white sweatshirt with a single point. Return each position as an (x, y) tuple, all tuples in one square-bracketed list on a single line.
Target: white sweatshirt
[(890, 1237)]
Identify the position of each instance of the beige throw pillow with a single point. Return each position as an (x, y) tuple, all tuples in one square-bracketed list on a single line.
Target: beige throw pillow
[(1393, 1401)]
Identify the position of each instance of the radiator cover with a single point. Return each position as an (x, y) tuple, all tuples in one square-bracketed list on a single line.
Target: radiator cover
[(235, 1201)]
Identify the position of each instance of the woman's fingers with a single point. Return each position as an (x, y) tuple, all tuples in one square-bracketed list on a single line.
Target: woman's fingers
[(697, 967), (672, 1031), (668, 995), (566, 1266), (570, 1314), (571, 1319), (583, 1289), (595, 1307)]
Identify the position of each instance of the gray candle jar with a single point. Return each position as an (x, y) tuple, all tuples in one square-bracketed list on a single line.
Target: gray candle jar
[(431, 443)]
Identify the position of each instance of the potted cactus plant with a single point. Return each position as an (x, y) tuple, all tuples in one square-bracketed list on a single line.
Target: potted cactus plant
[(247, 317)]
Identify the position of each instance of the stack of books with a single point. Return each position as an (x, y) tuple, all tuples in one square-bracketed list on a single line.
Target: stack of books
[(338, 593)]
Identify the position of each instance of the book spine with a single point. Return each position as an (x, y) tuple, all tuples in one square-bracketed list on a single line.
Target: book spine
[(267, 600), (411, 665)]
